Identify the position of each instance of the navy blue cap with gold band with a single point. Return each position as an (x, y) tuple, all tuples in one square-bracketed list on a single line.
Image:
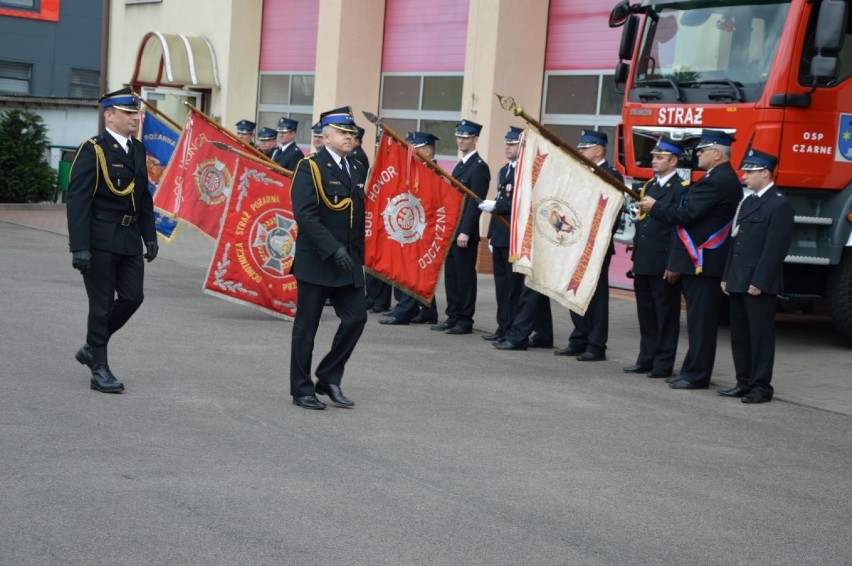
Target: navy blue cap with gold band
[(589, 138), (467, 129), (287, 125), (714, 137), (513, 136), (667, 146), (121, 99), (419, 139), (316, 129), (340, 119), (266, 134), (756, 160), (245, 127)]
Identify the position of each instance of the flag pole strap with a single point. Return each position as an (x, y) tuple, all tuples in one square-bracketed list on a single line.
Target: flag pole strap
[(431, 165), (508, 103)]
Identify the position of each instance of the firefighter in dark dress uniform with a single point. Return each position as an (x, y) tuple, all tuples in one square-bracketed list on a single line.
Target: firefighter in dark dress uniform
[(328, 203), (703, 221), (287, 154), (245, 131), (754, 272), (110, 215), (657, 299), (266, 141), (460, 267)]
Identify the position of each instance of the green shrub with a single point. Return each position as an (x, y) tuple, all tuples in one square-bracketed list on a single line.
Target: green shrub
[(25, 174)]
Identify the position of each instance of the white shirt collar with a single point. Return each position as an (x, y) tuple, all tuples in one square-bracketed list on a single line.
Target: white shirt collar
[(468, 156), (336, 157), (762, 191), (663, 180), (122, 141)]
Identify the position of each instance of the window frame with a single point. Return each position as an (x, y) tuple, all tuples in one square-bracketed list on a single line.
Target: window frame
[(286, 110)]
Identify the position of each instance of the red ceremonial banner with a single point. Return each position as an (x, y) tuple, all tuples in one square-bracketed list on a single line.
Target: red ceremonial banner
[(410, 216), (199, 178), (251, 264)]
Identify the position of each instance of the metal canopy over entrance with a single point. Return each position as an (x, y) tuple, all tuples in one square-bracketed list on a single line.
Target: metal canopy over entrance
[(176, 60)]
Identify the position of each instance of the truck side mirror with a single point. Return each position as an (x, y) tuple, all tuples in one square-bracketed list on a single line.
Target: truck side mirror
[(628, 38), (823, 67), (622, 70), (619, 14), (831, 26)]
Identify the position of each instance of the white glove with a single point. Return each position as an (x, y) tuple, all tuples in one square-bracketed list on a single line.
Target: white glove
[(487, 205)]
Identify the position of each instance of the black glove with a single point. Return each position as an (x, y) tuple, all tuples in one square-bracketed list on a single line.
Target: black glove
[(81, 260), (343, 261), (153, 248)]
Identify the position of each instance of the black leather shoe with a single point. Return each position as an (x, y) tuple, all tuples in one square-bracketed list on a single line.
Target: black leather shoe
[(659, 373), (104, 381), (440, 327), (672, 378), (508, 345), (84, 355), (636, 368), (423, 320), (755, 397), (334, 393), (492, 337), (568, 350), (378, 309), (538, 343), (736, 391), (684, 384), (459, 329), (392, 320), (309, 402), (590, 357)]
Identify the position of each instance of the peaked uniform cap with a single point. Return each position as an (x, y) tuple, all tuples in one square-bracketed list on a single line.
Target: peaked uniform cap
[(122, 99), (467, 129), (668, 146), (588, 138), (287, 124), (756, 160), (419, 139), (245, 127), (266, 134), (316, 129), (513, 135), (360, 134), (339, 118), (714, 137)]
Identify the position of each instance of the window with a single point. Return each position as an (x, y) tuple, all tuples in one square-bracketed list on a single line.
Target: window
[(426, 103), (85, 83), (287, 95), (32, 4), (15, 77), (578, 100)]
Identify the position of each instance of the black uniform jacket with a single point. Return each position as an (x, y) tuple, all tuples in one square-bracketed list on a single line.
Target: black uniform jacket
[(89, 190), (757, 252), (359, 154), (614, 172), (476, 176), (704, 209), (653, 239), (497, 232), (328, 221), (289, 158)]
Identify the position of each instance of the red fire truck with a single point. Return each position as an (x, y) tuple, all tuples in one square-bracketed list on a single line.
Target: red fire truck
[(777, 75)]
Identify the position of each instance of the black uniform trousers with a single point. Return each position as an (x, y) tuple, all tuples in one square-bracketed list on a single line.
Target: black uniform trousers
[(591, 330), (508, 287), (753, 339), (378, 293), (408, 307), (348, 303), (703, 296), (533, 315), (460, 282), (112, 274), (658, 310)]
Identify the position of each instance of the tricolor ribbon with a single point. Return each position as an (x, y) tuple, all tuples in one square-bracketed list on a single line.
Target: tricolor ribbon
[(696, 254)]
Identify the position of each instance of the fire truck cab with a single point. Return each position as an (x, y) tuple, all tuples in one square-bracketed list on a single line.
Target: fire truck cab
[(777, 75)]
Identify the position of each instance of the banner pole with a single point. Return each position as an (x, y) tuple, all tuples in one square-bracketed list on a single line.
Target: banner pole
[(271, 165), (508, 103), (431, 165), (227, 132)]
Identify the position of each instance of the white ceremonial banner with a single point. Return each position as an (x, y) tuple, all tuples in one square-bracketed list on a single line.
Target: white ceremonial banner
[(562, 220)]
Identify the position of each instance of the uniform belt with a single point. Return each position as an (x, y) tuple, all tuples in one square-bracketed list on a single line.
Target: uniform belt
[(123, 219)]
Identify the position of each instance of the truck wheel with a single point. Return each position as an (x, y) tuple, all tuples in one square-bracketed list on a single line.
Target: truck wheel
[(839, 291)]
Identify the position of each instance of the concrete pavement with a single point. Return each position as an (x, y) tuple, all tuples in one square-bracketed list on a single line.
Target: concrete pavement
[(455, 453)]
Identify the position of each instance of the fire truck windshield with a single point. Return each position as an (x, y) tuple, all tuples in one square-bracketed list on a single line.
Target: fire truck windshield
[(708, 51)]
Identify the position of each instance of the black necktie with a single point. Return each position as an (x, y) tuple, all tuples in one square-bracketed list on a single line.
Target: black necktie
[(129, 147), (345, 167)]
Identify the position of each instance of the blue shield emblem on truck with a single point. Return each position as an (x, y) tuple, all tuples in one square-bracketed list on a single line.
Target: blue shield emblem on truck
[(844, 139)]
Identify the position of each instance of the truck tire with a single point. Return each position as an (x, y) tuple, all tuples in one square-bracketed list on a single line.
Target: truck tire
[(839, 292)]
